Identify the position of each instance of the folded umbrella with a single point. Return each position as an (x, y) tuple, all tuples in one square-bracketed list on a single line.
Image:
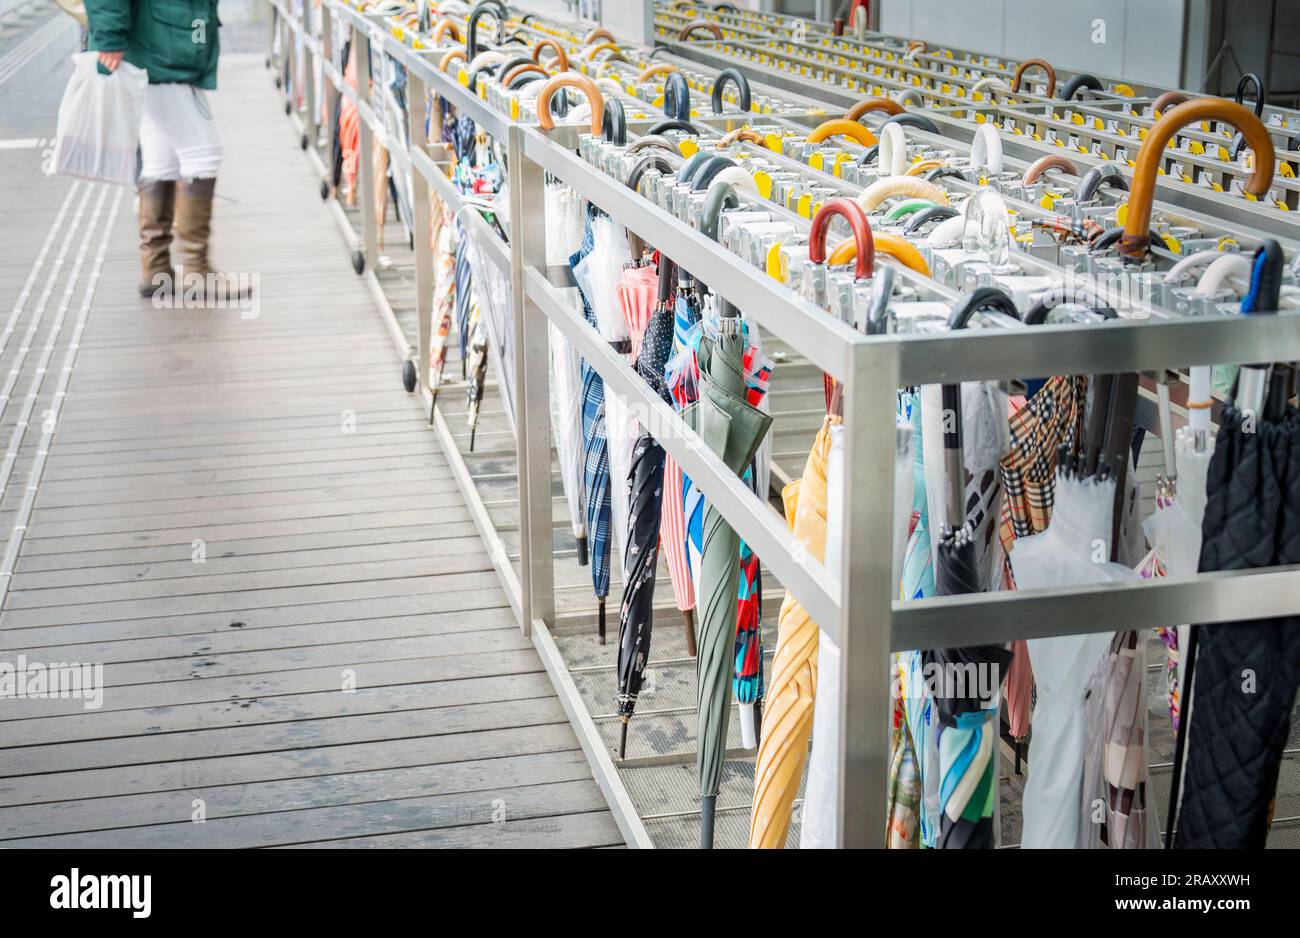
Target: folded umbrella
[(646, 485), (1066, 554), (595, 450), (790, 699), (1243, 676), (733, 429), (673, 532), (444, 297)]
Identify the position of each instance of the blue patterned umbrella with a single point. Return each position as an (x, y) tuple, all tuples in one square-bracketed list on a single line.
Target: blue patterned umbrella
[(595, 450)]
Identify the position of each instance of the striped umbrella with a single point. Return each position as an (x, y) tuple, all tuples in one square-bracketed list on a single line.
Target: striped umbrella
[(747, 673), (595, 448), (733, 428)]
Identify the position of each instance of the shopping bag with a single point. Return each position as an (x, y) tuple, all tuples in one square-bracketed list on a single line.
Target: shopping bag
[(99, 122)]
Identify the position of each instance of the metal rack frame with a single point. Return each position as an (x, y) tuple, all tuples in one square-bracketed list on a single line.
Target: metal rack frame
[(854, 604)]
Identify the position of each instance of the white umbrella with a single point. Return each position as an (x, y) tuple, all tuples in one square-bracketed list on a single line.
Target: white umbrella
[(1073, 551)]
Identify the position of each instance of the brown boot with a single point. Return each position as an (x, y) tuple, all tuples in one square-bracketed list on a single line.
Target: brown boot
[(193, 229), (157, 207)]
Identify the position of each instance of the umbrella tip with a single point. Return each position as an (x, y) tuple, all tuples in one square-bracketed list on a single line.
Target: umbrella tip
[(707, 804), (600, 613), (622, 739)]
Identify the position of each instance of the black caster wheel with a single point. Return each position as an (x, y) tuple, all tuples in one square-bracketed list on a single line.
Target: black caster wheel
[(408, 376), (303, 142), (277, 81), (288, 108), (324, 191), (358, 262)]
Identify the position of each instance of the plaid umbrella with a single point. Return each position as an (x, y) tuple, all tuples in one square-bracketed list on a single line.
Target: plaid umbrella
[(733, 429), (1051, 418), (784, 746)]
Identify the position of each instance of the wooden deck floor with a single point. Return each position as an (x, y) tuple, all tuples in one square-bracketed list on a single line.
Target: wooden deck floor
[(250, 526)]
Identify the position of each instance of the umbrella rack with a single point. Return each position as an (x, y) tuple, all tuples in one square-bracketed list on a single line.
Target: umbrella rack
[(854, 603)]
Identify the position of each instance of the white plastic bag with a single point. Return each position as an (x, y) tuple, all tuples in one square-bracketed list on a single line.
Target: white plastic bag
[(99, 122)]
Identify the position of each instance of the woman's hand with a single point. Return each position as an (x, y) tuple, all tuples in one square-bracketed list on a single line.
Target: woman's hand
[(111, 60)]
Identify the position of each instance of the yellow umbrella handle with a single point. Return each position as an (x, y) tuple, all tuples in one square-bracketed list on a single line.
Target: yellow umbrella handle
[(454, 55), (656, 70), (445, 26), (891, 245), (840, 127)]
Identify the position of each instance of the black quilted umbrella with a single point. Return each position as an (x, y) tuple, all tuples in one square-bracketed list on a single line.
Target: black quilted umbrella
[(646, 489), (1244, 675)]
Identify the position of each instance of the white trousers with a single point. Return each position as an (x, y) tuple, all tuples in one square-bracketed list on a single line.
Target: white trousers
[(178, 137)]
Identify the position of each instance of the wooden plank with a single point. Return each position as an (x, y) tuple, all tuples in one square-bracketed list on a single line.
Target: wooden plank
[(401, 815), (595, 829), (294, 794), (278, 737), (93, 724), (298, 763)]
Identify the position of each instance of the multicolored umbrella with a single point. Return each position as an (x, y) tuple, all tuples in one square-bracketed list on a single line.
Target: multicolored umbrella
[(733, 429), (686, 315), (784, 747)]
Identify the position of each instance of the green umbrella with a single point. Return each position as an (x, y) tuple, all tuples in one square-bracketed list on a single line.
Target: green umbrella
[(733, 429)]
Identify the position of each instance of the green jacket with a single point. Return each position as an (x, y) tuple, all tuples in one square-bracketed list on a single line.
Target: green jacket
[(174, 40)]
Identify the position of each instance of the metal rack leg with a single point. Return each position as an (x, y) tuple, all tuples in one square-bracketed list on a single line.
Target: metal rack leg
[(415, 106), (532, 386), (866, 595)]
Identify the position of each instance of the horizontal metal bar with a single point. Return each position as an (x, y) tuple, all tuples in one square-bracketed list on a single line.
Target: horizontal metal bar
[(982, 618), (1120, 345), (755, 521)]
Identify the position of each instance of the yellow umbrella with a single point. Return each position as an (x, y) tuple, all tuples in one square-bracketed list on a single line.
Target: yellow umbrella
[(787, 723)]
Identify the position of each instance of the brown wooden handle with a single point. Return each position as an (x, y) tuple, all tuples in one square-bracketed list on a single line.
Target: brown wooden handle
[(1167, 100), (1043, 164), (690, 28), (1142, 189), (1026, 65), (561, 57), (571, 80), (862, 108)]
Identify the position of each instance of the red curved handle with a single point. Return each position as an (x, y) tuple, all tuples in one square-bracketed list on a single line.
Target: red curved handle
[(851, 212)]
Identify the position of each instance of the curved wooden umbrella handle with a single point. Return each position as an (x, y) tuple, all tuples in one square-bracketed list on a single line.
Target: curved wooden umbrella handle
[(594, 51), (839, 127), (454, 55), (1026, 65), (1043, 164), (445, 26), (1166, 101), (747, 134), (693, 27), (851, 212), (522, 69), (597, 34), (654, 71), (1137, 227), (562, 58), (571, 80), (862, 108)]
